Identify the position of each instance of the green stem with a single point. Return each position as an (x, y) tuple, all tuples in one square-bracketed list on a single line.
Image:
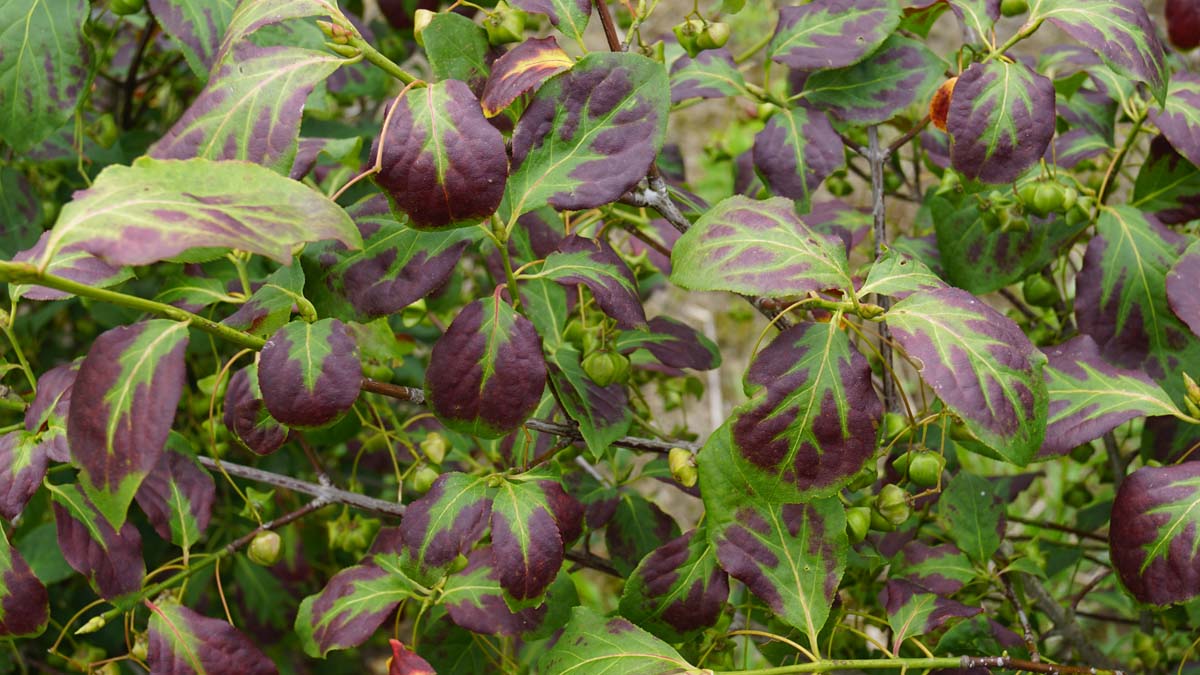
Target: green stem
[(27, 273), (753, 49), (1115, 165), (382, 62), (827, 665), (1026, 30), (20, 355), (511, 279)]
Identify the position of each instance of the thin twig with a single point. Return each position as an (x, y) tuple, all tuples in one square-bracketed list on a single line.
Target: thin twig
[(1022, 617), (590, 561), (631, 442), (131, 78), (331, 494), (1082, 534), (1065, 623), (1114, 459), (877, 158)]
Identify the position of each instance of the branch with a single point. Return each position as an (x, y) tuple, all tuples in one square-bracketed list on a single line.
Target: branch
[(1026, 628), (877, 157), (1071, 632), (328, 493), (963, 662)]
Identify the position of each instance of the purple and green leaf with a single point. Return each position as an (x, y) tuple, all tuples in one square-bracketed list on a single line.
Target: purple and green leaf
[(1178, 119), (310, 373), (192, 293), (678, 590), (353, 604), (444, 165), (1001, 120), (132, 379), (1167, 185), (638, 526), (977, 15), (592, 644), (159, 209), (26, 453), (185, 642), (1155, 533), (832, 33), (973, 516), (711, 74), (980, 364), (594, 263), (23, 462), (444, 523), (796, 151), (898, 74), (899, 275), (526, 542), (602, 413), (247, 418), (589, 134), (177, 496), (569, 16), (1090, 397), (673, 343), (758, 248), (110, 559), (913, 612), (73, 263), (270, 306), (475, 600), (941, 569), (47, 414), (1183, 281), (24, 602), (457, 49), (196, 26), (521, 70)]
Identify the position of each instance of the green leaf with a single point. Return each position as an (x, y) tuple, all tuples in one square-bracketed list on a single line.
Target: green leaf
[(712, 74), (972, 517), (1167, 184), (602, 412), (159, 209), (637, 527), (978, 15), (269, 308), (196, 27), (900, 73), (757, 248), (896, 273), (43, 67), (593, 645), (678, 590), (980, 364), (457, 49), (353, 605), (791, 556), (568, 16)]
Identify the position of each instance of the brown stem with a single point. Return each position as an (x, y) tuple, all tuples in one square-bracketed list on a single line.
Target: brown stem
[(592, 561), (908, 136), (330, 494), (877, 158), (131, 78), (1009, 663), (1022, 617), (610, 29), (1082, 534)]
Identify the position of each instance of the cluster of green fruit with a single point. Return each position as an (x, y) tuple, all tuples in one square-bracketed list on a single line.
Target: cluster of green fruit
[(697, 35), (126, 7), (504, 24), (1042, 197), (602, 364)]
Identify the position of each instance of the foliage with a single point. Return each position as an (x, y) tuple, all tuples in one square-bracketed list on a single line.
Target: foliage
[(344, 335)]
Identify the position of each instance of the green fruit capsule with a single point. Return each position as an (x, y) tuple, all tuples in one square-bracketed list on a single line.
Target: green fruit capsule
[(1070, 197), (713, 36), (1077, 496), (126, 7), (504, 25), (265, 548), (435, 446), (925, 468), (1026, 193), (423, 479), (1011, 8), (838, 186), (688, 34), (1048, 198), (858, 523), (1040, 291), (606, 367), (894, 424), (892, 504), (683, 466)]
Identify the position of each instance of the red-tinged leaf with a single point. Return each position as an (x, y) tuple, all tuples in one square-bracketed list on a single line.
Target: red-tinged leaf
[(913, 612), (177, 496), (132, 379), (247, 418), (24, 602), (594, 263), (520, 71), (25, 454), (352, 606), (637, 527), (673, 343), (444, 523), (812, 418), (526, 542), (310, 373), (1090, 397), (711, 74), (1155, 533), (796, 151), (475, 600), (23, 463), (1001, 120), (486, 374), (73, 263), (941, 569), (589, 134), (404, 661), (678, 589), (110, 559), (832, 33), (184, 642), (592, 644), (444, 164), (1183, 284), (567, 510), (47, 414), (569, 16), (980, 364)]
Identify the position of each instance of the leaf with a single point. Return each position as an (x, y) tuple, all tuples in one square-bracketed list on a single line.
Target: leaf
[(791, 556), (711, 74), (602, 413), (980, 364), (24, 602), (352, 606), (44, 67), (1090, 397), (941, 569), (593, 645), (897, 274), (183, 642), (132, 379), (673, 343), (251, 16), (310, 373), (404, 661), (396, 266), (269, 308), (832, 33), (110, 559), (678, 590), (251, 108), (1119, 31), (177, 495), (458, 49), (812, 418), (1178, 119), (1071, 149), (1153, 534), (444, 523), (486, 374), (1001, 120), (796, 151), (1182, 283), (443, 164), (972, 516), (637, 527), (913, 612), (247, 418), (589, 134), (193, 293), (757, 248), (521, 70), (594, 263), (569, 16), (72, 263), (978, 15), (23, 462), (159, 209), (196, 26), (1121, 297), (900, 73), (474, 600), (20, 212), (46, 416), (1167, 185), (527, 545)]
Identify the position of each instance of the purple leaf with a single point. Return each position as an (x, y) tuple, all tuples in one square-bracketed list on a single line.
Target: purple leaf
[(352, 606), (711, 74), (196, 27), (72, 263), (23, 462), (521, 70), (895, 76), (913, 612), (183, 642), (594, 263), (310, 373), (110, 559), (1179, 120), (673, 343), (678, 589), (247, 418), (177, 496), (404, 661), (569, 16), (47, 415), (444, 523), (796, 151), (1183, 284), (1167, 185), (941, 569), (1154, 532), (474, 600), (832, 33), (526, 542), (24, 602)]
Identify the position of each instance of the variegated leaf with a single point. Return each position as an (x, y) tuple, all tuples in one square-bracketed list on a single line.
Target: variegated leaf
[(310, 373), (457, 49), (270, 306), (24, 602), (832, 33), (757, 248), (711, 74), (177, 495), (1183, 282), (898, 74), (196, 26), (913, 612), (673, 343), (46, 416), (353, 604), (594, 263), (898, 274), (941, 569), (1167, 185), (73, 263), (23, 462), (980, 364), (521, 70), (525, 539), (1155, 532), (636, 528), (796, 151), (131, 379), (184, 642), (111, 559), (247, 418), (568, 16), (474, 599), (444, 523), (602, 413), (978, 15), (591, 645), (678, 590)]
